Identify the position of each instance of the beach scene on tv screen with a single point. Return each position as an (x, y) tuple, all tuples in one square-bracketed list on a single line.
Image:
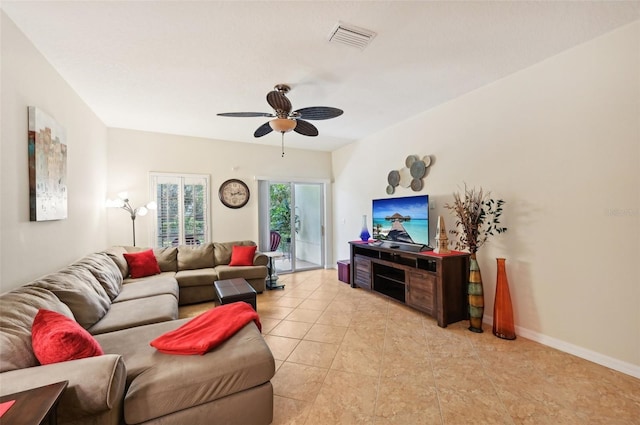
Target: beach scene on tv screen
[(404, 219)]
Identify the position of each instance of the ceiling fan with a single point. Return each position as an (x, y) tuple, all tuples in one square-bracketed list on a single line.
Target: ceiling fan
[(284, 119)]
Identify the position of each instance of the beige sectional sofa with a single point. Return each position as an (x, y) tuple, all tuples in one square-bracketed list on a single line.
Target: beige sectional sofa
[(197, 267), (132, 383)]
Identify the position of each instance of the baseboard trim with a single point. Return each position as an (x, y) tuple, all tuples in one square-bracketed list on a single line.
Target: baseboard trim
[(593, 356)]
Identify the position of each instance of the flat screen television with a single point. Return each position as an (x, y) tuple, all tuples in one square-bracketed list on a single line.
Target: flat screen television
[(402, 221)]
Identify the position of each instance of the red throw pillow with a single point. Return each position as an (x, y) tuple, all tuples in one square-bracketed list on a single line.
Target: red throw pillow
[(242, 255), (141, 264), (56, 338)]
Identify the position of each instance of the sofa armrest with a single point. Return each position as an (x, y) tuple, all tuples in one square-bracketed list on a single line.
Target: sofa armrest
[(259, 259), (96, 384)]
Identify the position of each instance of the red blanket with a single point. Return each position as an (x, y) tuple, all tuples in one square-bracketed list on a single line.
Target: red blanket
[(208, 330)]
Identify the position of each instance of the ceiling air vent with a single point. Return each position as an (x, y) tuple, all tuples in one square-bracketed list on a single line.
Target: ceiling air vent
[(351, 36)]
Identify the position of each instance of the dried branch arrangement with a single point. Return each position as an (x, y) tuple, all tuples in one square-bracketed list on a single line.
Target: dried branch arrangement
[(477, 218)]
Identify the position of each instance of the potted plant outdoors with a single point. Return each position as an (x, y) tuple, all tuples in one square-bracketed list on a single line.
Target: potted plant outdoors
[(477, 218)]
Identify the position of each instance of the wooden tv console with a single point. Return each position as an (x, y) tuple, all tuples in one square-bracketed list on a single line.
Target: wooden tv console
[(433, 283)]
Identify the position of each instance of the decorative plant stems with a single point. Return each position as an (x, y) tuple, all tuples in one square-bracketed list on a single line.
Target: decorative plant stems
[(477, 218)]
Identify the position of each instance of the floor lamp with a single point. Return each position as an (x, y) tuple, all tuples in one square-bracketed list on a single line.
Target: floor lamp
[(123, 202)]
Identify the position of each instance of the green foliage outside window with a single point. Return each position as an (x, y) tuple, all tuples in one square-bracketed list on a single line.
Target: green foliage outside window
[(280, 209)]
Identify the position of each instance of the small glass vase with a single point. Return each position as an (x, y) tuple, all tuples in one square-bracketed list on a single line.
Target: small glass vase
[(364, 233), (503, 326)]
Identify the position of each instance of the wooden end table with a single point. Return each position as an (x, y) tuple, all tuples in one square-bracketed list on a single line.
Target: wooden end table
[(35, 406)]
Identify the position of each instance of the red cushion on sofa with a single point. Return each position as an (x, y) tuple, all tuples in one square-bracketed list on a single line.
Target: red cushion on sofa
[(141, 264), (57, 338), (207, 330), (242, 255)]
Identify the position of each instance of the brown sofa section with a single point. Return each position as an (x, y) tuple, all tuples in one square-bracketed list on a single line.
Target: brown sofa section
[(132, 383)]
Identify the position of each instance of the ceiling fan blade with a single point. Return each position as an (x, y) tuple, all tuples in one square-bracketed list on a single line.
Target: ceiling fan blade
[(262, 130), (319, 113), (246, 114), (279, 101), (305, 128)]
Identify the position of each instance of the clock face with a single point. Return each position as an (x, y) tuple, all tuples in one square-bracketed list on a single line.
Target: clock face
[(234, 193)]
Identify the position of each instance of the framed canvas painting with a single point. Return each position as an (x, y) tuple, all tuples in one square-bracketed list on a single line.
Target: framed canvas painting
[(47, 167)]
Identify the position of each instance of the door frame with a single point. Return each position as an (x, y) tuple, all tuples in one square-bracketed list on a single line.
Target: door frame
[(264, 219)]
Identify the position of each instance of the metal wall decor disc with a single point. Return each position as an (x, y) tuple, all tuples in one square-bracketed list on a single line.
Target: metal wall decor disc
[(416, 185), (426, 160), (410, 160), (418, 169), (405, 177), (393, 178), (390, 190)]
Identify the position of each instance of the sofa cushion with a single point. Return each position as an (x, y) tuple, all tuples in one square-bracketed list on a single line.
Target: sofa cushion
[(248, 272), (242, 255), (57, 338), (242, 362), (116, 253), (222, 250), (198, 277), (191, 257), (80, 291), (163, 283), (142, 311), (167, 258), (105, 270), (18, 309)]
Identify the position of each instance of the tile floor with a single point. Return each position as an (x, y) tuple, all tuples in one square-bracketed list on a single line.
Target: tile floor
[(346, 356)]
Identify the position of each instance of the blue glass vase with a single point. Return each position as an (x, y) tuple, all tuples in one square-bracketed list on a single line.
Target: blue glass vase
[(364, 234)]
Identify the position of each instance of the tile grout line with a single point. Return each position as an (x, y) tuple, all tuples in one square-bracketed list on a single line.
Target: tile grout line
[(433, 373)]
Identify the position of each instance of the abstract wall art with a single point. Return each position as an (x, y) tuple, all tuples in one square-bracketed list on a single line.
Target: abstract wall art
[(47, 167)]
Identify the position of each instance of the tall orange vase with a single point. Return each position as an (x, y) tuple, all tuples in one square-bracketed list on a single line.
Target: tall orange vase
[(503, 326)]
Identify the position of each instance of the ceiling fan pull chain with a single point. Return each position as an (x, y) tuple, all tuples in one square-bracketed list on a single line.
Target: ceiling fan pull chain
[(282, 144)]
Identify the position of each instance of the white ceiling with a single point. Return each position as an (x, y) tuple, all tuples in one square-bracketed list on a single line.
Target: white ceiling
[(170, 67)]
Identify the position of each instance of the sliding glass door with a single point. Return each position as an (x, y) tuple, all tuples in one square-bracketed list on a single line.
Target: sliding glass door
[(295, 213)]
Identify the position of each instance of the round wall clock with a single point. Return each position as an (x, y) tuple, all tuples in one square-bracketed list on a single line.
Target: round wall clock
[(234, 193)]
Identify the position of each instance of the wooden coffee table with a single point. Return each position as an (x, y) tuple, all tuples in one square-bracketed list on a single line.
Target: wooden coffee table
[(35, 406)]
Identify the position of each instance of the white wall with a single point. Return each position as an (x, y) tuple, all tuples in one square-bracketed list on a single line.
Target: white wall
[(133, 154), (31, 249), (559, 142)]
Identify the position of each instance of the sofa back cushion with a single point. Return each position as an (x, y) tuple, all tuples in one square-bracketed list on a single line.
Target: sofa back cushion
[(191, 257), (80, 291), (116, 253), (167, 258), (223, 250), (105, 270), (19, 307)]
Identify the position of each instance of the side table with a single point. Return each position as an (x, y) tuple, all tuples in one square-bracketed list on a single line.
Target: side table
[(35, 406), (232, 290), (272, 279)]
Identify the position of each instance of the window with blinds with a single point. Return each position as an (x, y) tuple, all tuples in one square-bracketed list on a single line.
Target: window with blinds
[(182, 216)]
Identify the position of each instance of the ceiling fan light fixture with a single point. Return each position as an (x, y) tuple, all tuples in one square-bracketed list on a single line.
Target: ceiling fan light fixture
[(282, 125)]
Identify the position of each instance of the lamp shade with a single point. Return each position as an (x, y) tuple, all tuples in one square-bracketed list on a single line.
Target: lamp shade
[(282, 125)]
